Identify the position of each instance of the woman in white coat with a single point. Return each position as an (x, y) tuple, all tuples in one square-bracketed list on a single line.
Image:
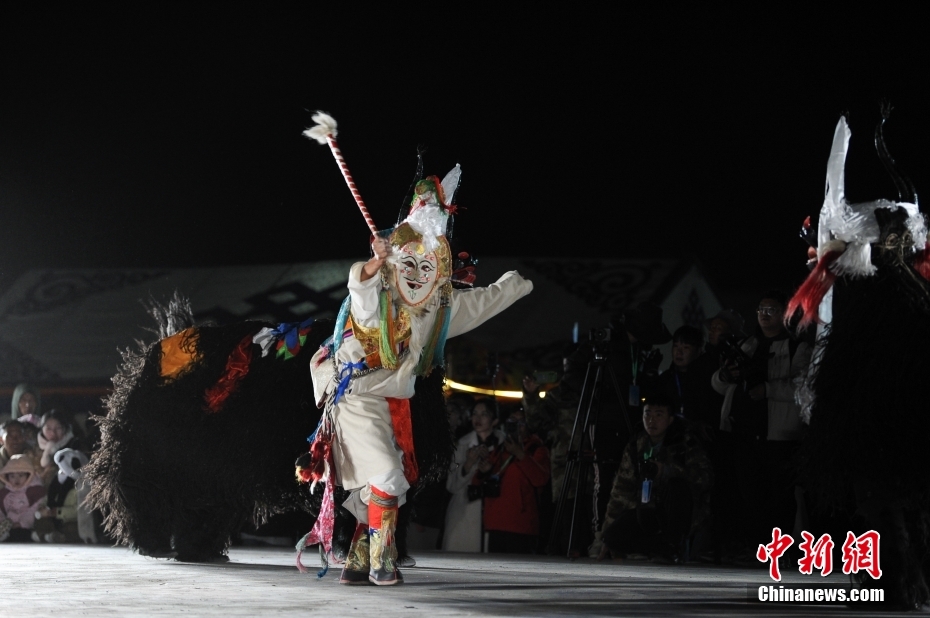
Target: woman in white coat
[(463, 517)]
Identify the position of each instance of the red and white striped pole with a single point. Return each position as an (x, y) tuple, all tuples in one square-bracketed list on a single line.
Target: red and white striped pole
[(350, 181), (325, 133)]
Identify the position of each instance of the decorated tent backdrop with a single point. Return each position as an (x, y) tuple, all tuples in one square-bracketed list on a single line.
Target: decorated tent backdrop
[(65, 327)]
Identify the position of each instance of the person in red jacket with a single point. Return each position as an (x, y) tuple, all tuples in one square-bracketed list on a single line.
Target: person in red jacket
[(518, 470)]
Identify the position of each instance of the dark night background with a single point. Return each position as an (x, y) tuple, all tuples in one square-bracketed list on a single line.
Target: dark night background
[(162, 135)]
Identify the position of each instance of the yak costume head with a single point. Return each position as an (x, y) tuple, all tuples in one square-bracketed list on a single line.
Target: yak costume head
[(847, 233)]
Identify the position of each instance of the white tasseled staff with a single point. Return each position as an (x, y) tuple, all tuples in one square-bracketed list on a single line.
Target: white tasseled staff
[(324, 132)]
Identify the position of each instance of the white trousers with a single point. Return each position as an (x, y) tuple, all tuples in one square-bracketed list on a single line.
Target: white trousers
[(365, 452)]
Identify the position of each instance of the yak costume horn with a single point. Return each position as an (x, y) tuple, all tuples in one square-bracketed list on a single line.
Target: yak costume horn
[(903, 184)]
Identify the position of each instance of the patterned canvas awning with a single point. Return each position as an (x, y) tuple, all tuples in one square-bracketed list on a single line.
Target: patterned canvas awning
[(68, 325)]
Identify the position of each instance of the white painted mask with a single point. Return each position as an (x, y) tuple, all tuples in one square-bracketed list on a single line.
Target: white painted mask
[(416, 271)]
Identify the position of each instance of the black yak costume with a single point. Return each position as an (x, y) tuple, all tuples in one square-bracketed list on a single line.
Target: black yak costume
[(865, 396)]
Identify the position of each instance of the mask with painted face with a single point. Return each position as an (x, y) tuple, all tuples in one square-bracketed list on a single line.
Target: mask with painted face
[(417, 270), (415, 273)]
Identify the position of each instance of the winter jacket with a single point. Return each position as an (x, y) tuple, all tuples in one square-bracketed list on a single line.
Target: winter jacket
[(20, 505), (463, 517), (691, 393), (517, 509), (681, 456)]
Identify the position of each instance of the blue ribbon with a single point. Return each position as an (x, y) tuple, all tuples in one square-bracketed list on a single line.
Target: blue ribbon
[(290, 332), (345, 375), (342, 319), (315, 431)]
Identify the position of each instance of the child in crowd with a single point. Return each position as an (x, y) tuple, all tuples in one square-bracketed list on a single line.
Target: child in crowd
[(31, 429), (54, 434), (21, 496)]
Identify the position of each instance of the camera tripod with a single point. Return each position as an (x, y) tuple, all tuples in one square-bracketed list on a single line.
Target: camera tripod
[(577, 460)]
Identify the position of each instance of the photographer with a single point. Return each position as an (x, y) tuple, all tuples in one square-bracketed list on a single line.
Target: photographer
[(515, 473), (687, 382), (757, 381), (463, 516), (661, 494), (631, 353)]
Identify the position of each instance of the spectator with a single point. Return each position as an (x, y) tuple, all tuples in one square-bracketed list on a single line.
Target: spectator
[(687, 382), (26, 400), (13, 438), (458, 408), (725, 503), (20, 497), (634, 359), (463, 516), (760, 410), (726, 323), (661, 494), (519, 470), (30, 424), (54, 434), (635, 363)]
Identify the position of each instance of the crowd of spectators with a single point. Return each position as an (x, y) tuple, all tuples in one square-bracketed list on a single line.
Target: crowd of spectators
[(40, 475), (691, 463)]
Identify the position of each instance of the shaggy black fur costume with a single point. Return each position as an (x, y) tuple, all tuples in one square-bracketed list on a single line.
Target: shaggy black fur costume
[(174, 479), (870, 427)]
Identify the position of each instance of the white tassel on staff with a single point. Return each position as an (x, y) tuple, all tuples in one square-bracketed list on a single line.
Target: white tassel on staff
[(324, 132)]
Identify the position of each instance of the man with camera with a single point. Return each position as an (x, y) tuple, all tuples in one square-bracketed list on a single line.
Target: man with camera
[(763, 419), (510, 480), (661, 493)]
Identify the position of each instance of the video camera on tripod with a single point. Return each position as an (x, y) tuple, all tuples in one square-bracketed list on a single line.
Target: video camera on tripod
[(600, 341)]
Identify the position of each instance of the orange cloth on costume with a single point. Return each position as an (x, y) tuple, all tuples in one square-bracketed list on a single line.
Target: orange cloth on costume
[(178, 351)]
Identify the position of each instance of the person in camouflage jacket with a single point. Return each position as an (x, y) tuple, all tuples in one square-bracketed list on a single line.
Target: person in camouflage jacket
[(658, 516)]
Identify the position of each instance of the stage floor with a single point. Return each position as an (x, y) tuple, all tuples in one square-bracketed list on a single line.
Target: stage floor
[(71, 580)]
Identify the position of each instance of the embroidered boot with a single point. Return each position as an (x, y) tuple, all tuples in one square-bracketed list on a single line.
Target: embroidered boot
[(382, 522), (357, 565)]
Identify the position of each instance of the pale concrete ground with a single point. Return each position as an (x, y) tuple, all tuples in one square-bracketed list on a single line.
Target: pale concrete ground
[(70, 580)]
